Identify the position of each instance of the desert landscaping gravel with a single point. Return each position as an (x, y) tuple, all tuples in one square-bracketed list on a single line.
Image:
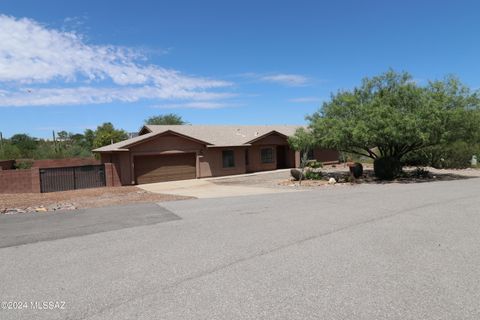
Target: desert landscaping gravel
[(85, 198)]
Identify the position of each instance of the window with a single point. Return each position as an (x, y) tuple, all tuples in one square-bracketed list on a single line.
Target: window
[(267, 155), (228, 158)]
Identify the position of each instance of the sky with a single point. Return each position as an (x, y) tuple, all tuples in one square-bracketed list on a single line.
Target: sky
[(72, 65)]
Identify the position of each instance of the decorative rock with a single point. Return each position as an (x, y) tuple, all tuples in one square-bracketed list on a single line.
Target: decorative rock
[(41, 209), (332, 181), (296, 174)]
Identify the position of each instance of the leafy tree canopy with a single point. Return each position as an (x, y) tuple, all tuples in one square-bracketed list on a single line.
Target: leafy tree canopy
[(107, 134), (166, 119), (389, 116), (25, 144)]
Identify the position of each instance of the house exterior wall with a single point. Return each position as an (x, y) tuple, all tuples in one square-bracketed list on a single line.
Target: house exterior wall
[(164, 144), (255, 163), (270, 141), (112, 175), (211, 162), (121, 161)]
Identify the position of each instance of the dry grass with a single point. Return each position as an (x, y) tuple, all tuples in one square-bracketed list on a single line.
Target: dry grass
[(86, 198)]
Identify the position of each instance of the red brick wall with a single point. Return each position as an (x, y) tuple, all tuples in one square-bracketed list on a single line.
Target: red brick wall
[(112, 176), (58, 163), (20, 181)]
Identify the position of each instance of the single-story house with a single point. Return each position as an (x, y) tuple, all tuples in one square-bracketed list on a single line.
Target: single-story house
[(177, 152)]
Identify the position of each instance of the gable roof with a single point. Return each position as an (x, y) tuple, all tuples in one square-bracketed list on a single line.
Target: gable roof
[(211, 135)]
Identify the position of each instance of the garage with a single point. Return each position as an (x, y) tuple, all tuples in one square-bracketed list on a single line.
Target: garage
[(159, 168)]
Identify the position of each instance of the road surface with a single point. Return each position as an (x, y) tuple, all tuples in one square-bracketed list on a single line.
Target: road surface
[(390, 251)]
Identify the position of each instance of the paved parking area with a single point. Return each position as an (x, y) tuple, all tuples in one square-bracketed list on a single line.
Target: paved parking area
[(219, 187)]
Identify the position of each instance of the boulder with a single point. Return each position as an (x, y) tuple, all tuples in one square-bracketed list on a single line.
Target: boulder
[(296, 174)]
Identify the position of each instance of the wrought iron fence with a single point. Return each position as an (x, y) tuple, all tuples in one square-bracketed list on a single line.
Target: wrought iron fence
[(72, 178)]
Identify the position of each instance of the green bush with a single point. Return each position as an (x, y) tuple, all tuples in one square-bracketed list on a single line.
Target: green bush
[(313, 175), (387, 168), (23, 164), (421, 158), (455, 155), (421, 173), (314, 164)]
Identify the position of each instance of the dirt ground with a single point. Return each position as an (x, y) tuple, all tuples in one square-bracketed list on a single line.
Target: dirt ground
[(85, 198)]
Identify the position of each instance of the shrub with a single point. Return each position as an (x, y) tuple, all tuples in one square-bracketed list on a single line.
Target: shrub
[(314, 164), (313, 175), (421, 173), (387, 168), (418, 158), (356, 170), (23, 164), (296, 174), (456, 155)]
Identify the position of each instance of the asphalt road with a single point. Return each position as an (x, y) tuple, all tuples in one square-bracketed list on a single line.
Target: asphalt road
[(394, 251)]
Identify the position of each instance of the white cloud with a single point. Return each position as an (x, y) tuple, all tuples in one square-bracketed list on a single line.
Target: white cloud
[(194, 105), (42, 66), (92, 95), (291, 80), (285, 79)]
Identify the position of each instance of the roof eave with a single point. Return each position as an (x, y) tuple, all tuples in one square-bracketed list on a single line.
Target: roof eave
[(113, 150), (229, 145), (266, 135)]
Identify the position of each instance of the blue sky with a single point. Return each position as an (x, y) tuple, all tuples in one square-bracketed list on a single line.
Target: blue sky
[(71, 67)]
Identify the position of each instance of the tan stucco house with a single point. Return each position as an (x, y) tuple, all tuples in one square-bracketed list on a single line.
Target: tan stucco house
[(177, 152)]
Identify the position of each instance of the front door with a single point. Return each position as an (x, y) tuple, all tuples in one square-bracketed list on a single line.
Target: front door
[(281, 155)]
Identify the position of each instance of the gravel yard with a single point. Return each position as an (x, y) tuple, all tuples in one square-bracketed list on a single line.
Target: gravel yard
[(85, 198), (282, 179)]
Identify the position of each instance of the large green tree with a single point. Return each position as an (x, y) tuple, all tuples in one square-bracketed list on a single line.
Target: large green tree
[(165, 119), (25, 144), (107, 134), (389, 116)]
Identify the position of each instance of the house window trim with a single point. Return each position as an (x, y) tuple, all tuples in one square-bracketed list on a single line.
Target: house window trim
[(223, 159), (267, 161)]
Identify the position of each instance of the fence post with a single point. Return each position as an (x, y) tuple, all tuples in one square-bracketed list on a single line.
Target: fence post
[(35, 174)]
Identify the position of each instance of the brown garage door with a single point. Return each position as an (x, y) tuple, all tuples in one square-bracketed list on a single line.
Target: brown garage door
[(150, 169)]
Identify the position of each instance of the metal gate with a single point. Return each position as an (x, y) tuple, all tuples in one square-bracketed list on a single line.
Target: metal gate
[(72, 178)]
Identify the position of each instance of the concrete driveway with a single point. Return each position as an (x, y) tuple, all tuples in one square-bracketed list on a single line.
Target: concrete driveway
[(219, 187), (393, 251)]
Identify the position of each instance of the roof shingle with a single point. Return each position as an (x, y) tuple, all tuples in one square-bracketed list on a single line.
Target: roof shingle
[(215, 135)]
